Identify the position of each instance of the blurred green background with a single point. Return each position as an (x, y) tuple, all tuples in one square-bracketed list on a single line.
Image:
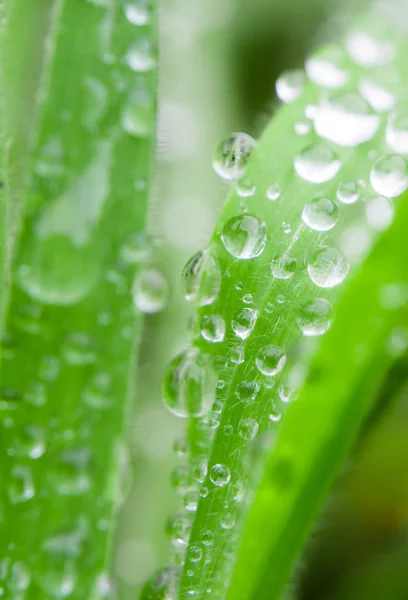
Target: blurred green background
[(218, 67)]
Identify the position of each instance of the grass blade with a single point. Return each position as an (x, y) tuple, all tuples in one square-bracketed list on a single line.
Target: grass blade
[(72, 327)]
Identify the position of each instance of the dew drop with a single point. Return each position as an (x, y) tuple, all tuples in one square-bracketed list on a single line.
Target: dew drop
[(189, 384), (20, 486), (321, 214), (367, 51), (195, 554), (137, 118), (379, 211), (283, 267), (302, 128), (140, 57), (380, 98), (247, 391), (79, 349), (273, 192), (244, 322), (237, 355), (162, 585), (317, 163), (220, 475), (397, 132), (245, 188), (232, 155), (346, 119), (315, 317), (247, 429), (178, 529), (347, 192), (270, 360), (326, 67), (137, 13), (201, 278), (150, 291), (389, 175), (329, 268), (244, 236), (290, 85), (212, 328)]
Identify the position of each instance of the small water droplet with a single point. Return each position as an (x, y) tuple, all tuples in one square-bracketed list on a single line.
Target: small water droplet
[(273, 192), (140, 57), (317, 163), (283, 267), (137, 13), (302, 128), (380, 98), (397, 132), (379, 211), (245, 188), (244, 236), (162, 585), (195, 554), (347, 192), (150, 291), (212, 328), (321, 214), (237, 355), (328, 268), (232, 155), (368, 51), (289, 85), (20, 486), (244, 322), (270, 360), (315, 317), (326, 67), (220, 475), (79, 349), (137, 118), (247, 391), (247, 429), (389, 175), (201, 278)]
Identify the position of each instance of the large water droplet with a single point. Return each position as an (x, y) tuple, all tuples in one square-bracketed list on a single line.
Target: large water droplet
[(346, 119), (232, 155), (189, 384), (270, 360), (151, 291), (317, 163), (201, 278), (290, 85), (328, 268), (212, 328), (389, 175), (283, 266), (321, 214), (244, 236), (220, 475), (379, 211), (315, 317), (243, 322), (326, 67)]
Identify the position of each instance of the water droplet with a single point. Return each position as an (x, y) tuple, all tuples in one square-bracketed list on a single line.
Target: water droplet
[(150, 291), (232, 155), (96, 394), (328, 268), (347, 192), (246, 188), (19, 579), (321, 214), (201, 278), (30, 444), (162, 586), (207, 537), (274, 416), (247, 429), (189, 384), (212, 328), (178, 529), (182, 478), (244, 236), (244, 322), (283, 267), (315, 317), (397, 132), (137, 249), (380, 98), (79, 349), (302, 128), (379, 211), (346, 119), (195, 554), (367, 51), (317, 163), (137, 13), (237, 355), (389, 175), (290, 85), (270, 360), (326, 67), (273, 192), (20, 486), (247, 391), (137, 118), (220, 475), (140, 57)]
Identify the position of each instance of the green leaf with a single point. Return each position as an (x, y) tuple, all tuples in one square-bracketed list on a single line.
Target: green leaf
[(71, 326)]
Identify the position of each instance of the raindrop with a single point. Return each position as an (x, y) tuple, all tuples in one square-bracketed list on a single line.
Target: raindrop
[(244, 322), (150, 291), (201, 278), (321, 214), (212, 328), (244, 236), (232, 155), (270, 360), (220, 475), (329, 267), (290, 85), (317, 163), (347, 192), (247, 429), (315, 317), (189, 384), (389, 175), (379, 211), (346, 119)]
